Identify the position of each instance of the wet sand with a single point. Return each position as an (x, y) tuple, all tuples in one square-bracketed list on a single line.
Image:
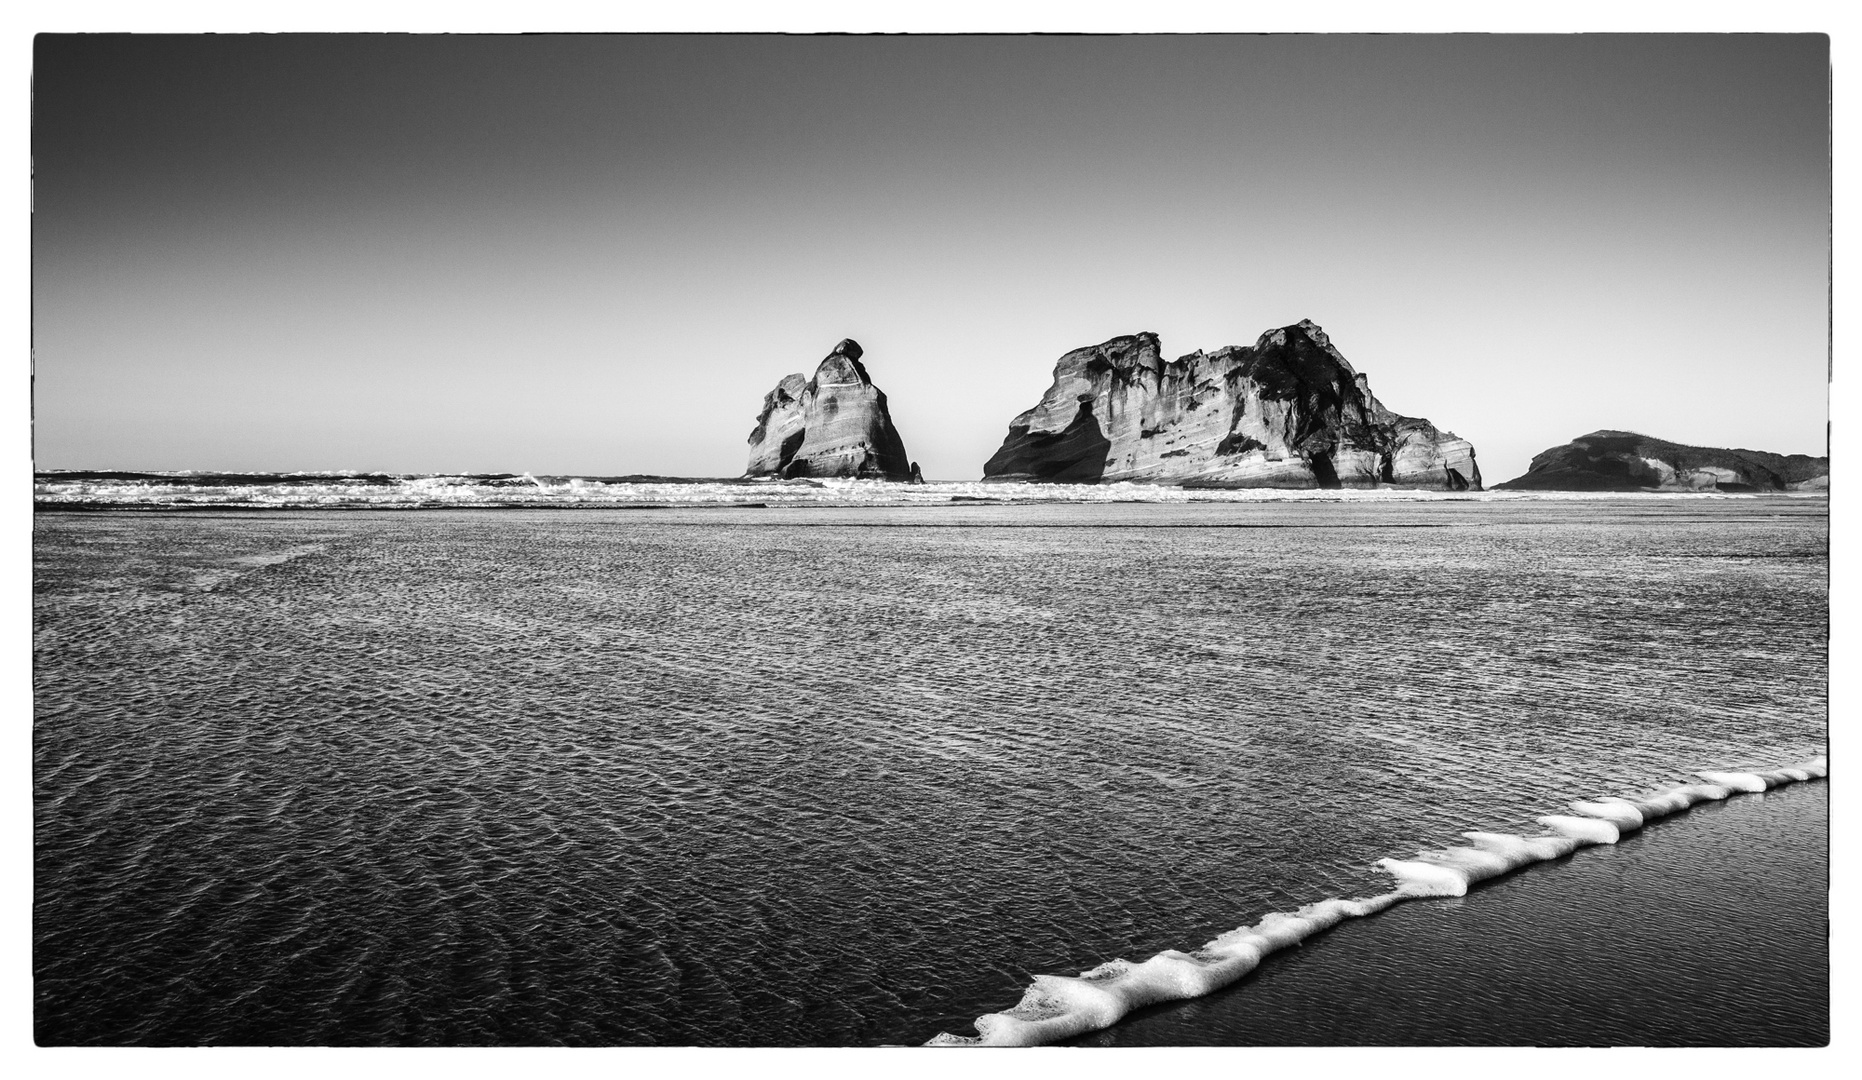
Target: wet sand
[(1710, 928)]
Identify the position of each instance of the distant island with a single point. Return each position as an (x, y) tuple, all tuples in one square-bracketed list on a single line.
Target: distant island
[(835, 424), (1286, 412), (1627, 461)]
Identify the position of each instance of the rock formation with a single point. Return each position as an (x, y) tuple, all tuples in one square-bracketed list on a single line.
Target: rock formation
[(1287, 412), (835, 424), (1626, 461)]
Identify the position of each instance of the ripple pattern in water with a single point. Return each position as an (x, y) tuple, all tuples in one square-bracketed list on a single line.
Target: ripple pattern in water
[(791, 777)]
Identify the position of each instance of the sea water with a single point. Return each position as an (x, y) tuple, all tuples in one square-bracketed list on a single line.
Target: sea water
[(92, 490), (846, 774)]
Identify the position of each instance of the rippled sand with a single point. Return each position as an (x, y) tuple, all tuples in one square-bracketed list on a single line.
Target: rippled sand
[(817, 775)]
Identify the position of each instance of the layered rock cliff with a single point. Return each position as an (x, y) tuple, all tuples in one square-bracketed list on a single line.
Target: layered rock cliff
[(1626, 461), (1288, 411), (835, 424)]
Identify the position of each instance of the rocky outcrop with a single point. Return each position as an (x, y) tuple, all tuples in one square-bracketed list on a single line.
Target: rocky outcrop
[(1626, 461), (1288, 411), (835, 424)]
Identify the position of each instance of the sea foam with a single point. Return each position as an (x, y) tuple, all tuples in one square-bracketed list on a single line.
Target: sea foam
[(192, 490), (1059, 1007)]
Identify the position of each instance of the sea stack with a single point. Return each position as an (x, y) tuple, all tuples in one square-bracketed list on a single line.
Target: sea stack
[(835, 424), (1625, 461), (1286, 412)]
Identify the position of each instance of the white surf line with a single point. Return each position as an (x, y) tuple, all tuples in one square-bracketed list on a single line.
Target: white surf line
[(1058, 1007)]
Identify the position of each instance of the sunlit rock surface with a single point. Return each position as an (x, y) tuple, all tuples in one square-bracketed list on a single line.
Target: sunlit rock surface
[(835, 424), (1288, 412), (1626, 461)]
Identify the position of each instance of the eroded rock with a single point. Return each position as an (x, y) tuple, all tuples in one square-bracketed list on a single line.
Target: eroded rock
[(835, 424), (1288, 411)]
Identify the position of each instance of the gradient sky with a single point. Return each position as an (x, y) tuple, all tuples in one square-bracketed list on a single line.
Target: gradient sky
[(596, 254)]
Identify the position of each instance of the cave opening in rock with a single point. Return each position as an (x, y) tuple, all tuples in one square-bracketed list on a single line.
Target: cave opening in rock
[(789, 447), (1324, 471)]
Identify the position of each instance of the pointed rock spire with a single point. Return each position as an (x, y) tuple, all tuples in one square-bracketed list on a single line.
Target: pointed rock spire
[(835, 424)]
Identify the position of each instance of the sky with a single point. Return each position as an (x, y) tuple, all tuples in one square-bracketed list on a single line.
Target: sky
[(595, 254)]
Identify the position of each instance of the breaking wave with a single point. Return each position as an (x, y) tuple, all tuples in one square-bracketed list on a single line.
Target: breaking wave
[(1059, 1007), (76, 490)]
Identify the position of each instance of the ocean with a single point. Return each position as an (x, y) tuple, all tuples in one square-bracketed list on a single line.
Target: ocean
[(857, 765)]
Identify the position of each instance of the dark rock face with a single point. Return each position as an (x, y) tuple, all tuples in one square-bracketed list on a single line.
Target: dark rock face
[(1288, 411), (835, 424), (1626, 461)]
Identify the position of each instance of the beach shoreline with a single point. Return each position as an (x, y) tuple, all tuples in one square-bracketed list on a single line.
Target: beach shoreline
[(1706, 929)]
